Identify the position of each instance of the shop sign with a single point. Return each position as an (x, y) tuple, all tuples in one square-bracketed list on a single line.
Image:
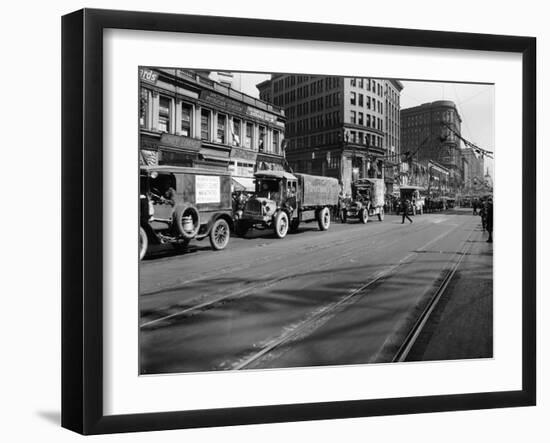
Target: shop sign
[(243, 154), (180, 141), (148, 75), (223, 102), (207, 189)]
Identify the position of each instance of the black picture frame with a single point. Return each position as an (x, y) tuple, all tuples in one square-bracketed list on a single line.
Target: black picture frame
[(82, 218)]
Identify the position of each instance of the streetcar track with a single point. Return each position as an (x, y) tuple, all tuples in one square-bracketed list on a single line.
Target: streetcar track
[(184, 310), (326, 312), (421, 321), (232, 269)]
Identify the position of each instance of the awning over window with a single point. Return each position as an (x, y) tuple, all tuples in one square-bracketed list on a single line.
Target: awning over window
[(243, 184)]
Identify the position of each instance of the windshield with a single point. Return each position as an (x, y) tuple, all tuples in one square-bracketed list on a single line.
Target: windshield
[(267, 187)]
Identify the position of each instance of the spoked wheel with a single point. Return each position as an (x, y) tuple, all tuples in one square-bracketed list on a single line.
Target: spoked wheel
[(143, 243), (323, 219), (281, 224), (219, 234), (363, 216), (381, 214)]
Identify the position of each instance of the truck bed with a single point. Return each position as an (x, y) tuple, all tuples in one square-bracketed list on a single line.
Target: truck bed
[(317, 190)]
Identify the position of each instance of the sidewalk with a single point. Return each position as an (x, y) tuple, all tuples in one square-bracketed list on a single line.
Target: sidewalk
[(461, 325)]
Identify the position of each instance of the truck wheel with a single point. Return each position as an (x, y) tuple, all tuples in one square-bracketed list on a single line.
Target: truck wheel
[(281, 224), (294, 224), (182, 215), (143, 243), (219, 234), (381, 215), (363, 216), (421, 210), (323, 219)]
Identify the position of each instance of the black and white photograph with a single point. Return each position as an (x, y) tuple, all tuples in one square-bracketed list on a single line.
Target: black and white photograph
[(292, 220)]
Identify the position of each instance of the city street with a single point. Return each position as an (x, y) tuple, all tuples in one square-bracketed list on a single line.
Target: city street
[(350, 295)]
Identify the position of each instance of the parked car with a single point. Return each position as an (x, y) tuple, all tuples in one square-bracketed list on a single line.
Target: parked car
[(367, 200), (178, 204)]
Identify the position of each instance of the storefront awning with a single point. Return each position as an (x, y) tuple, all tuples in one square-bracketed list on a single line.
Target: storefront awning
[(243, 184)]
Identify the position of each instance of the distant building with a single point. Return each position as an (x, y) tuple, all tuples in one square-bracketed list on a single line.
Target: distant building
[(473, 171), (188, 119), (339, 127), (425, 136)]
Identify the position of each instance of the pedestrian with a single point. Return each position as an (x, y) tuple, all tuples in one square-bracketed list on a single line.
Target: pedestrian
[(474, 205), (405, 208), (489, 221)]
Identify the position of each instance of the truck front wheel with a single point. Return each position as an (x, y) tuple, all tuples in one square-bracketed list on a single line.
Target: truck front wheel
[(323, 219), (363, 216), (381, 214), (143, 243), (219, 234), (281, 224)]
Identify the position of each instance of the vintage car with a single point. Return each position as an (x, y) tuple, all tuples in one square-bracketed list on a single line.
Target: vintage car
[(178, 204), (283, 200), (367, 200), (412, 193)]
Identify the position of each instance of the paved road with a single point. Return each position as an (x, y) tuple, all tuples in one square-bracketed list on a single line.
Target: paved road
[(345, 296)]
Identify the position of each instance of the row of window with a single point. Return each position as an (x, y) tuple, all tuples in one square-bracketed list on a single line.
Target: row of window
[(313, 88), (356, 99), (214, 126), (368, 84), (327, 120), (371, 121), (334, 137)]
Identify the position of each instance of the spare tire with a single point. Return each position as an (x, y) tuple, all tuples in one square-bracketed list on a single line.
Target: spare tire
[(181, 220)]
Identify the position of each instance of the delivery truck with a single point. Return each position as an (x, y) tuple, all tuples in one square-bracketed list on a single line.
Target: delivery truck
[(283, 200)]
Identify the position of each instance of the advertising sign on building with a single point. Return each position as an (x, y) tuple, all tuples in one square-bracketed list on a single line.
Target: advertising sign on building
[(148, 75), (207, 189)]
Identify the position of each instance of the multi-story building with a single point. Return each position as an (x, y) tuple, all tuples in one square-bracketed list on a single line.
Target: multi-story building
[(339, 127), (425, 135), (474, 171), (188, 119)]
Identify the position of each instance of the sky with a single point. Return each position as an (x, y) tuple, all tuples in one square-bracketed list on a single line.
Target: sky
[(475, 103)]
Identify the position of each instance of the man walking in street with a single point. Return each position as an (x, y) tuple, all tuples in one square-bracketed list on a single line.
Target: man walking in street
[(489, 219), (405, 203)]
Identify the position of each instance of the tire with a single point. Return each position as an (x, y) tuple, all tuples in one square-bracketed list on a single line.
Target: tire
[(363, 216), (143, 243), (381, 214), (294, 224), (281, 224), (180, 213), (421, 210), (323, 219), (219, 234)]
